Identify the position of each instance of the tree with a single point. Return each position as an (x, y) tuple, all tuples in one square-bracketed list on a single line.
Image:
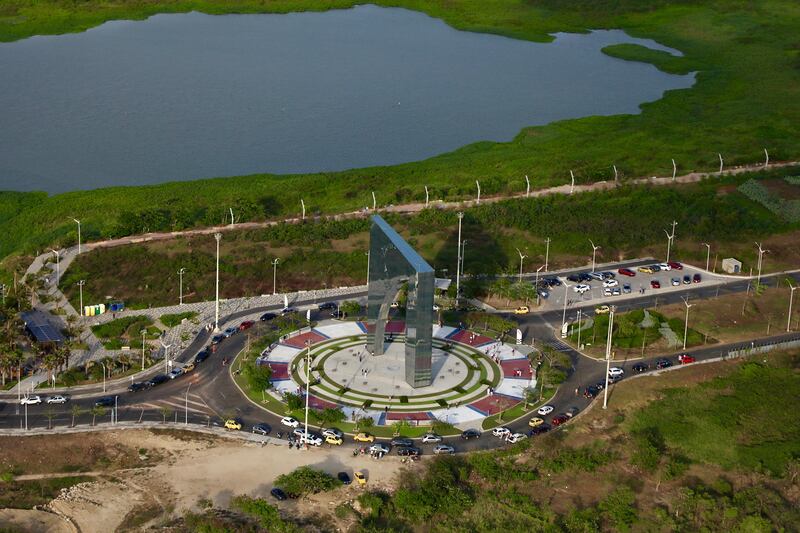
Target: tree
[(77, 411), (97, 410), (257, 376), (330, 415), (165, 412), (50, 414), (306, 480), (364, 422), (619, 508), (293, 401), (350, 308), (267, 515)]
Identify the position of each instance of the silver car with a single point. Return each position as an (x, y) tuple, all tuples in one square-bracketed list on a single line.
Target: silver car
[(443, 449), (431, 438)]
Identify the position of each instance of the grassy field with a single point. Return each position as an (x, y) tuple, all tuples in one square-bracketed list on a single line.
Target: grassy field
[(746, 98), (316, 255)]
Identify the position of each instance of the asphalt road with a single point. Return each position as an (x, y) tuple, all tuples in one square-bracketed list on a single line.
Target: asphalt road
[(208, 395)]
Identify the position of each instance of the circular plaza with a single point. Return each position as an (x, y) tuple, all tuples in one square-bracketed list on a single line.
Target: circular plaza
[(473, 376)]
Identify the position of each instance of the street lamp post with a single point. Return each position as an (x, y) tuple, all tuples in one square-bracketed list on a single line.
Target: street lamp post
[(275, 275), (761, 253), (608, 354), (708, 254), (368, 253), (78, 222), (217, 237), (536, 283), (104, 376), (670, 238), (546, 252), (144, 332), (594, 252), (458, 259), (308, 385), (80, 285), (181, 272), (791, 297), (564, 316), (521, 258), (58, 267), (686, 321)]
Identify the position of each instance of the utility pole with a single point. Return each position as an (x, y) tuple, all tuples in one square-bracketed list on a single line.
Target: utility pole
[(308, 384), (180, 285), (78, 222), (458, 259), (217, 237), (564, 316), (761, 253), (594, 252), (546, 252), (608, 354), (275, 275), (686, 322), (791, 297), (670, 237), (708, 255), (521, 258), (367, 269), (144, 332), (80, 285)]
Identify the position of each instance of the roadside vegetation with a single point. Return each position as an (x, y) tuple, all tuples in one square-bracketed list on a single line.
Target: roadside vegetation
[(126, 331), (745, 99), (626, 222)]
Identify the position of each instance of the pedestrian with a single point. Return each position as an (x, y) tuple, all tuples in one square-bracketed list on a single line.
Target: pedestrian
[(577, 390)]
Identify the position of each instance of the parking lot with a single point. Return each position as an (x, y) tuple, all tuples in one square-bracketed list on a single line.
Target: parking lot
[(610, 285)]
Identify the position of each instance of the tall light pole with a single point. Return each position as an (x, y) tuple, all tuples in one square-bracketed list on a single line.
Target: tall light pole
[(670, 237), (564, 316), (275, 275), (536, 283), (521, 258), (181, 272), (686, 321), (104, 376), (80, 285), (546, 252), (458, 260), (78, 222), (144, 332), (791, 297), (217, 237), (608, 354), (708, 254), (463, 253), (58, 266), (594, 252), (761, 253), (308, 384), (367, 254), (186, 406)]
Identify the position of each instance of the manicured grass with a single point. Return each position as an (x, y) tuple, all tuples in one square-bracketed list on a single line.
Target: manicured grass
[(745, 99), (172, 320), (743, 420), (125, 332)]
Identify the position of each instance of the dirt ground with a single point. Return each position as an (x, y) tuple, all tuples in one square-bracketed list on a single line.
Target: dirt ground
[(177, 472)]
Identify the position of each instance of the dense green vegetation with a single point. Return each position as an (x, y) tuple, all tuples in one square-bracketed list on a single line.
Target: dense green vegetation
[(126, 331), (306, 480), (173, 319), (745, 99), (28, 494), (331, 253)]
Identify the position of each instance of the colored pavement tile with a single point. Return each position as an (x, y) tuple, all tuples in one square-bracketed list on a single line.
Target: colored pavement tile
[(467, 337), (408, 416), (493, 404), (517, 368), (299, 341)]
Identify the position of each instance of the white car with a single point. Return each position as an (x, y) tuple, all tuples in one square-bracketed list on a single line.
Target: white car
[(664, 267), (545, 410), (30, 400), (176, 372), (607, 292), (314, 440), (332, 432), (581, 288), (57, 399), (516, 437), (610, 283), (431, 438), (379, 447), (299, 432), (615, 371), (290, 421), (501, 431), (440, 449)]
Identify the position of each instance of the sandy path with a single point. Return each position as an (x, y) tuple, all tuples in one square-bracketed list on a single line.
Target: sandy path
[(30, 520)]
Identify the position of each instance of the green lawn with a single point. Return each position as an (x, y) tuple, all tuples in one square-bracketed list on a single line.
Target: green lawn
[(126, 331), (747, 97)]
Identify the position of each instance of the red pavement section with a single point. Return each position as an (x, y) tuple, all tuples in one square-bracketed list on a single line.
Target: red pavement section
[(494, 404), (408, 416), (392, 326), (318, 403), (467, 337), (279, 370), (510, 369), (299, 341)]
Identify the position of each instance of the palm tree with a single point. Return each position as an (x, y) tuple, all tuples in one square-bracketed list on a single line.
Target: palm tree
[(77, 411), (50, 362), (97, 410)]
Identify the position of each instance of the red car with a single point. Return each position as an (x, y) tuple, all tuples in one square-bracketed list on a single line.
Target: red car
[(627, 272), (696, 278), (558, 420), (675, 266), (655, 284), (686, 359), (247, 324)]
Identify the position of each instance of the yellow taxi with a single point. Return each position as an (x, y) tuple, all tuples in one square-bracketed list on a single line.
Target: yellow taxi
[(364, 437), (535, 421), (188, 367), (360, 477), (602, 310), (333, 439), (232, 423), (522, 310)]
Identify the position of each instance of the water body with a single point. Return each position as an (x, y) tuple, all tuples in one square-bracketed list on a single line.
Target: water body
[(179, 97)]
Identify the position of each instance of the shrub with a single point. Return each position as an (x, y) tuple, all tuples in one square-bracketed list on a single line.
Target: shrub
[(172, 320), (306, 480), (619, 509)]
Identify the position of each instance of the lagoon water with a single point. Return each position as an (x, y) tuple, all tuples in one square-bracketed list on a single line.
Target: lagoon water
[(179, 97)]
